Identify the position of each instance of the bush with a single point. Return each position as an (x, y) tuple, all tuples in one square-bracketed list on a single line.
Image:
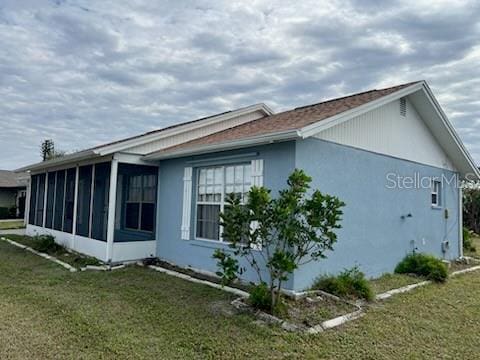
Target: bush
[(467, 241), (260, 297), (423, 265), (351, 284), (46, 244)]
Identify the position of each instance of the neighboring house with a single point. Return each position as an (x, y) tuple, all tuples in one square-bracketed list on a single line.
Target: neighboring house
[(13, 190), (160, 193)]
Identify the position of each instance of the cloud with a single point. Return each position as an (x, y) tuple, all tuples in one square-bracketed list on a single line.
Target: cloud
[(83, 72)]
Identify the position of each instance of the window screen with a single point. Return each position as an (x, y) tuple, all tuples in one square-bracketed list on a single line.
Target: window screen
[(100, 201), (50, 200), (40, 200), (33, 199), (69, 201), (59, 197), (84, 200)]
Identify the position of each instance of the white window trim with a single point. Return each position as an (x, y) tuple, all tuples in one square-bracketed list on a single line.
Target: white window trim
[(436, 190)]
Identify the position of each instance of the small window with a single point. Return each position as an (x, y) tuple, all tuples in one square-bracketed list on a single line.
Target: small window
[(436, 193)]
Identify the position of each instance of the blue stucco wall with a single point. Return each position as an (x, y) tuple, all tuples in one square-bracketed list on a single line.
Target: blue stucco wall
[(279, 162), (374, 236)]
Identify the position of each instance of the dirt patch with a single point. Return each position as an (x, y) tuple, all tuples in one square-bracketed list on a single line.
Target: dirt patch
[(313, 310)]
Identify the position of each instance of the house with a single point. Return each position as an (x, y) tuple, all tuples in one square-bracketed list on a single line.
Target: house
[(391, 155), (13, 190)]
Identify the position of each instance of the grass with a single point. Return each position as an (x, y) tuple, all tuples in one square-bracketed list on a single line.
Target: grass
[(14, 224), (392, 281), (47, 312), (72, 258)]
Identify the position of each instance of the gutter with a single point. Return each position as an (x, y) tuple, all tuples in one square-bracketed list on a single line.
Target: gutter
[(203, 149)]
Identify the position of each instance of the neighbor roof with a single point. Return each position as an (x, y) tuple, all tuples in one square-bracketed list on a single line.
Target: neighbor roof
[(9, 179), (289, 120)]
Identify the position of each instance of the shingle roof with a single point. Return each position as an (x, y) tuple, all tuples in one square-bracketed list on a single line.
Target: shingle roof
[(289, 120), (9, 179)]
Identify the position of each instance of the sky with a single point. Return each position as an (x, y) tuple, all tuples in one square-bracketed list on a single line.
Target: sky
[(88, 72)]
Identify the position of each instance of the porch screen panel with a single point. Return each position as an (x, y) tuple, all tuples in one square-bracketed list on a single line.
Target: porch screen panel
[(50, 200), (33, 200), (59, 197), (84, 198), (69, 201), (40, 200), (136, 203), (100, 201)]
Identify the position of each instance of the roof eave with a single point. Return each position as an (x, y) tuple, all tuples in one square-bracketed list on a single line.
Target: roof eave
[(324, 124), (80, 156), (471, 163), (122, 145), (230, 145)]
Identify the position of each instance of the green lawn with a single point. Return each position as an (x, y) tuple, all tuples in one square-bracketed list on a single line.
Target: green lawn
[(75, 259), (392, 281), (48, 312), (13, 224)]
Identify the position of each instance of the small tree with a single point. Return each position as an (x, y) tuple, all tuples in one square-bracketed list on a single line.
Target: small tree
[(48, 150), (278, 234), (471, 209)]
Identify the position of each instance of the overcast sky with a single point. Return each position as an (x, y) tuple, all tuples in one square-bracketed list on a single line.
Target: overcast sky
[(88, 72)]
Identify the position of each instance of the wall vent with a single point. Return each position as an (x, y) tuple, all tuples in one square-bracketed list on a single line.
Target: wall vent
[(403, 107)]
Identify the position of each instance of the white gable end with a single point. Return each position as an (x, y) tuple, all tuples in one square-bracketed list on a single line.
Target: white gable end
[(386, 131), (189, 135)]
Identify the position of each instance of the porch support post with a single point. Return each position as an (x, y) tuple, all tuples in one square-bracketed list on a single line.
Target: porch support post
[(112, 197), (460, 219), (75, 202)]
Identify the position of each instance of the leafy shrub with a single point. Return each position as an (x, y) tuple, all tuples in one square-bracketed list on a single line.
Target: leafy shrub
[(467, 241), (423, 265), (46, 244), (228, 267), (351, 283), (260, 297)]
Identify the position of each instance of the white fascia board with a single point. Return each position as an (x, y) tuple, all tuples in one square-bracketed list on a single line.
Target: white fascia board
[(453, 133), (324, 124), (128, 158), (58, 162), (231, 145), (123, 145)]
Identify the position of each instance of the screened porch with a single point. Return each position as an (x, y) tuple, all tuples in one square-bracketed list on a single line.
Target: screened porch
[(103, 209)]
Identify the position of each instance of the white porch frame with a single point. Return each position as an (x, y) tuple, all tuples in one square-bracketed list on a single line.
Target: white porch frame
[(107, 251)]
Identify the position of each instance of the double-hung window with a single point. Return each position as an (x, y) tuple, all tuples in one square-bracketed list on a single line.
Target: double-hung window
[(140, 204), (436, 193), (213, 185)]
